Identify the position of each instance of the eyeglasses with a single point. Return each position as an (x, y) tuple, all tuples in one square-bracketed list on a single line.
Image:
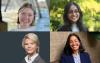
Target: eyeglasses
[(73, 11)]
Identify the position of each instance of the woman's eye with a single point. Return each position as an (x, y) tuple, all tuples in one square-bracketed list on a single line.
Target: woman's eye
[(73, 11), (30, 14), (31, 43), (76, 40), (76, 11), (25, 44), (23, 13), (71, 42)]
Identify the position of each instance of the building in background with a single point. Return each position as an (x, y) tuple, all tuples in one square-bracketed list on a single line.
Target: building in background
[(10, 8)]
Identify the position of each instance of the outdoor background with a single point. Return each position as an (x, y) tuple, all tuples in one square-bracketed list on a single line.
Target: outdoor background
[(10, 9), (90, 9)]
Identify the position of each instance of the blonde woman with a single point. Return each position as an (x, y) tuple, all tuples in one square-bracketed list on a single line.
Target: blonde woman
[(31, 43)]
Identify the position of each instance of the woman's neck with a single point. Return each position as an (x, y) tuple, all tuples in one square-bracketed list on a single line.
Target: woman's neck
[(23, 26), (30, 55), (75, 52)]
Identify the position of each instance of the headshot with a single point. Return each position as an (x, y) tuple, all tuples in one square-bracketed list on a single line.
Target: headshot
[(74, 51), (31, 45), (26, 18), (25, 47), (72, 17), (26, 15)]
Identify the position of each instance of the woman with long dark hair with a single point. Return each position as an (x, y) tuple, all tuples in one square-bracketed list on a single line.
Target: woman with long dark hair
[(72, 18), (74, 51)]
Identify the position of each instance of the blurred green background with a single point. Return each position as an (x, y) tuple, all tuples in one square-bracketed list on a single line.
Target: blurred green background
[(90, 9)]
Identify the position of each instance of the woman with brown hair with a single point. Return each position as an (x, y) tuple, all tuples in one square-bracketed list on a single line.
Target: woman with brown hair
[(26, 18)]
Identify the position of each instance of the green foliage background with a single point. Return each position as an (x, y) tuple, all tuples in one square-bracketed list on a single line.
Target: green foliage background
[(90, 9)]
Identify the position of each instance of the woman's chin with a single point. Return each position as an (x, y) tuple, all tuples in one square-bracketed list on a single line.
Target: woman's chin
[(30, 52), (75, 49)]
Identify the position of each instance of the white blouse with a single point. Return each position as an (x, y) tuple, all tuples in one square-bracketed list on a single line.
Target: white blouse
[(76, 58), (31, 59), (75, 28)]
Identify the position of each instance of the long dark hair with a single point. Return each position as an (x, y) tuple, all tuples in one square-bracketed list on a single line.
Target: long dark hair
[(67, 48), (67, 22)]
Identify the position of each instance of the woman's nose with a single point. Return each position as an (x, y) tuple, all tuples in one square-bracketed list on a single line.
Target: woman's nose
[(74, 43), (73, 13), (26, 17), (29, 46)]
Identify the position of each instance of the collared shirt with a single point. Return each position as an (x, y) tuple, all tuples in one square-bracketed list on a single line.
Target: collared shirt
[(75, 28), (31, 59), (76, 58)]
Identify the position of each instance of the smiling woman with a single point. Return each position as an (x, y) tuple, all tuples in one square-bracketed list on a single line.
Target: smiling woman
[(72, 18), (31, 45), (10, 15), (74, 51), (26, 18)]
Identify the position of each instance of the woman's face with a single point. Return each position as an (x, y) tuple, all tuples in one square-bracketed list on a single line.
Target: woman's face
[(74, 43), (26, 17), (73, 14), (30, 46)]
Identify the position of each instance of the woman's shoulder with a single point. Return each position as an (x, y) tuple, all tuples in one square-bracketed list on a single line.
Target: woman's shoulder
[(85, 54), (86, 57), (39, 59), (66, 58), (66, 55), (64, 28), (23, 61)]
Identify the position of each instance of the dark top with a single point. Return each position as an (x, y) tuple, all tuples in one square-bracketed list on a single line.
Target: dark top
[(84, 58), (38, 59), (67, 28)]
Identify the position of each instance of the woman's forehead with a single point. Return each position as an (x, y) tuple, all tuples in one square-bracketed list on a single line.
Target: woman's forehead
[(73, 7), (26, 9)]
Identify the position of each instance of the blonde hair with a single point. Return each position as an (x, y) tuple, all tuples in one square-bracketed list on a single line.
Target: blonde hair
[(33, 37)]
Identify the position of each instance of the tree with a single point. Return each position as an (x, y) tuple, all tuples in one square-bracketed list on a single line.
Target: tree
[(90, 9)]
